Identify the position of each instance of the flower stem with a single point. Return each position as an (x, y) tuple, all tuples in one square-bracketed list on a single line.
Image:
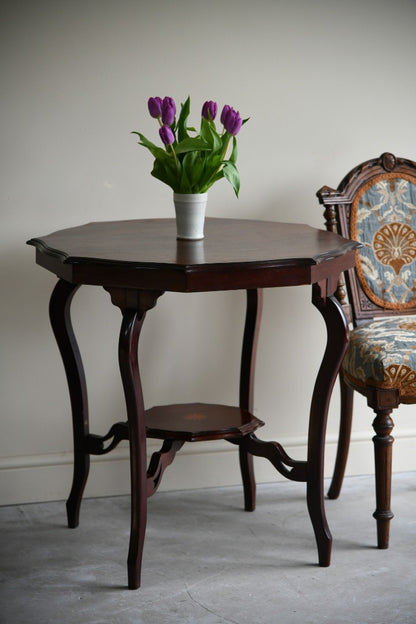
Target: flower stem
[(225, 147), (175, 158)]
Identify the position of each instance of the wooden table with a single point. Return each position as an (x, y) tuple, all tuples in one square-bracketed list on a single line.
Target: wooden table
[(136, 262)]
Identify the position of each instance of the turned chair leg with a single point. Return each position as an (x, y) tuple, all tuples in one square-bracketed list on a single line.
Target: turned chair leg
[(383, 447), (347, 400)]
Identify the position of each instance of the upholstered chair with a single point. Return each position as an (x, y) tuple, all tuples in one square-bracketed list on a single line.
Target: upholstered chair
[(375, 204)]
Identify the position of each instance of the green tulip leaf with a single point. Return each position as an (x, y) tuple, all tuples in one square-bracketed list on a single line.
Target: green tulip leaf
[(158, 152), (191, 145), (234, 153), (231, 174), (183, 116)]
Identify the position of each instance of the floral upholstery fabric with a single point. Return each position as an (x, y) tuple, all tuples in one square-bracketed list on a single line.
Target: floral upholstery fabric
[(383, 352), (383, 220)]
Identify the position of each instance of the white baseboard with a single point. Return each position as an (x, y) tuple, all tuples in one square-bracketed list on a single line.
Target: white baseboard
[(199, 465)]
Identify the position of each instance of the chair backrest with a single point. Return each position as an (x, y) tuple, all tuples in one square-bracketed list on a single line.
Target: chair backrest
[(375, 204)]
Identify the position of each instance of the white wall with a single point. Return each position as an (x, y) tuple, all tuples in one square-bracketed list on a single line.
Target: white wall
[(327, 84)]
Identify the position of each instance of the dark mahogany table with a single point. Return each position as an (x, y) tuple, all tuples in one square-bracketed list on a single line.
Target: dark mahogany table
[(136, 262)]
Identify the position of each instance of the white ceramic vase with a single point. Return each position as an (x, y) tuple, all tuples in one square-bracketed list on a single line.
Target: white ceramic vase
[(190, 215)]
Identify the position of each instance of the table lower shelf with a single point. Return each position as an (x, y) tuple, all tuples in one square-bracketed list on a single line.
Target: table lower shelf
[(193, 422)]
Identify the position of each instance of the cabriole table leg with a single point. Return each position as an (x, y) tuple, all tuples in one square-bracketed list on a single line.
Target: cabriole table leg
[(59, 313), (247, 370), (134, 304), (129, 336), (337, 331)]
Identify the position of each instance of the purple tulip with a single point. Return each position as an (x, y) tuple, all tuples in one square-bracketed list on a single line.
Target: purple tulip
[(155, 106), (166, 134), (209, 110), (168, 111), (231, 120), (224, 113)]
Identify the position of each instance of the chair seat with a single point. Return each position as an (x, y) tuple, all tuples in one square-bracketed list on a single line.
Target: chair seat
[(383, 353)]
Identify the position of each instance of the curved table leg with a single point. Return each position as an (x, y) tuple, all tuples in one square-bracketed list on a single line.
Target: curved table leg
[(134, 304), (337, 332), (344, 437), (59, 313), (248, 357), (128, 344)]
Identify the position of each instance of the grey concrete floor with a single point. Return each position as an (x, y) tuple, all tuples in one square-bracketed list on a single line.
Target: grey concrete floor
[(208, 562)]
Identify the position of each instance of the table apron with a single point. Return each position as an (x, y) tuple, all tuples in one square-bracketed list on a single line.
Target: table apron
[(194, 280)]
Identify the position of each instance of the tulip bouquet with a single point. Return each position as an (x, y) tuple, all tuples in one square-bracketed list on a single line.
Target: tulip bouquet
[(192, 163)]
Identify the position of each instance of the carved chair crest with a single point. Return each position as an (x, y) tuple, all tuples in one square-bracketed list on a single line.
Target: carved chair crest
[(375, 204)]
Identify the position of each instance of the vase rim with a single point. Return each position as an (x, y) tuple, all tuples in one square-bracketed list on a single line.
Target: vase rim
[(189, 195)]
